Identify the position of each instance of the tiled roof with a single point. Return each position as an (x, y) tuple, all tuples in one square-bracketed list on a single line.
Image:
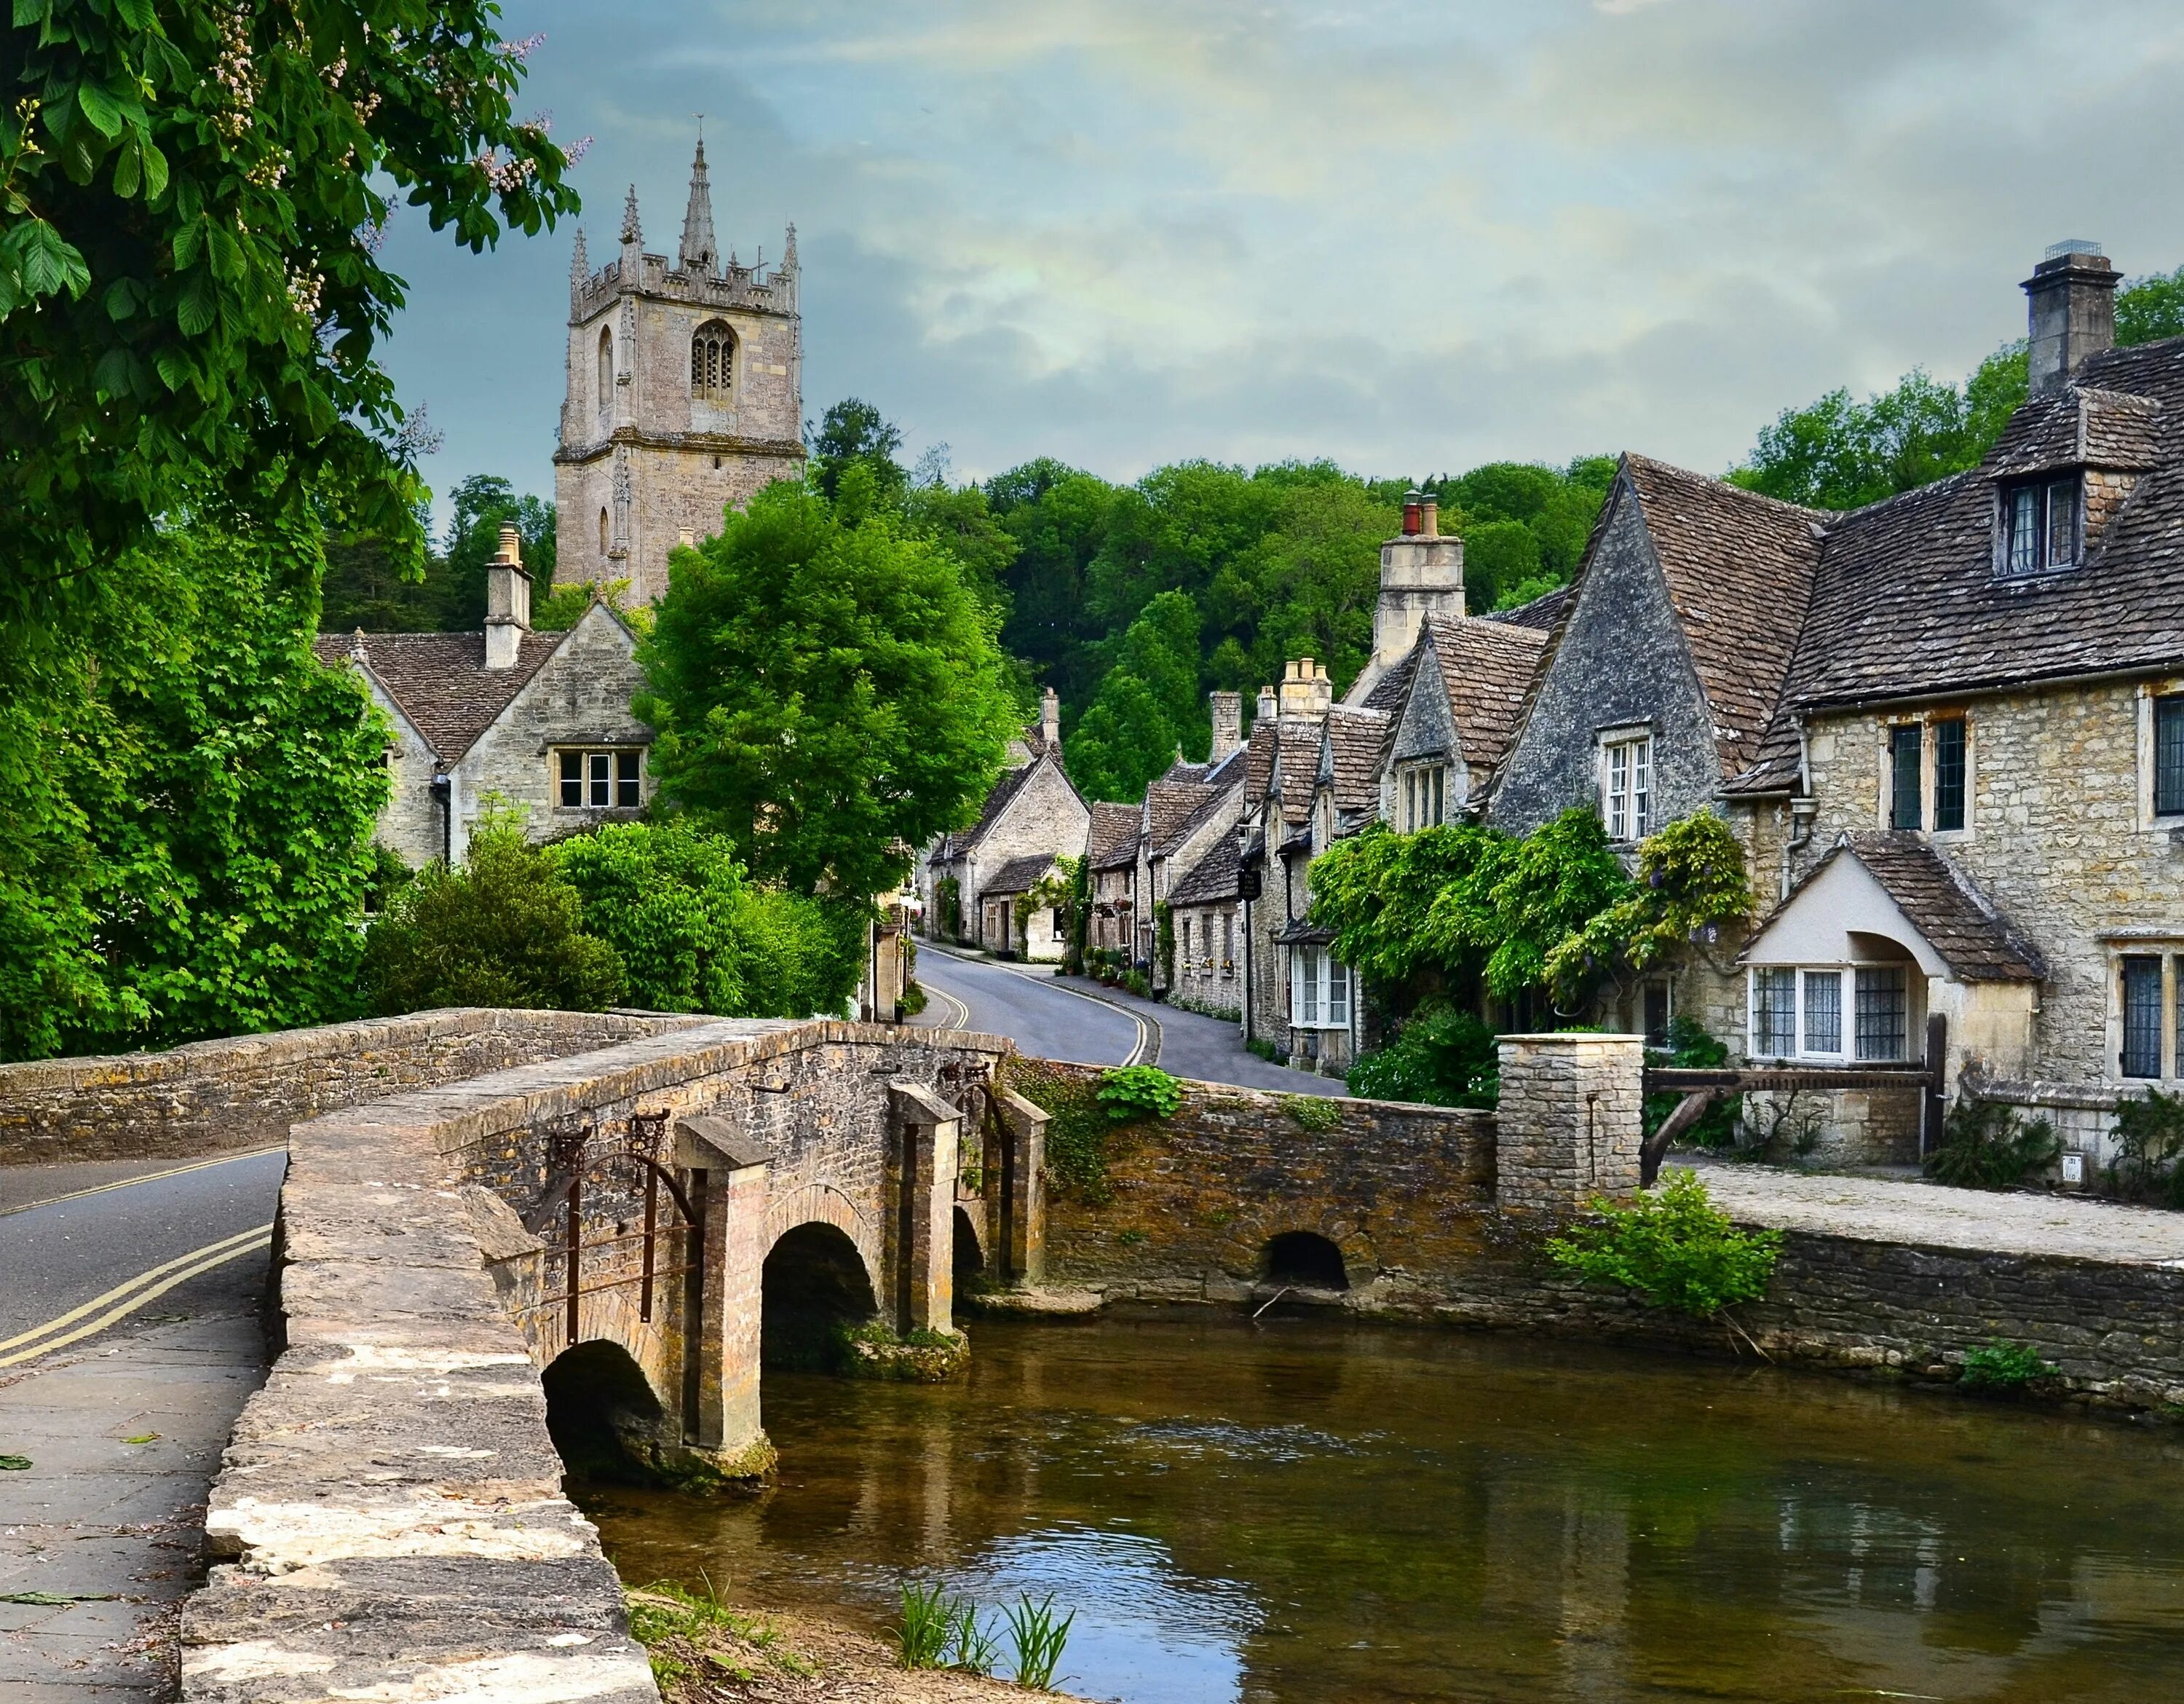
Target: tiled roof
[(1171, 805), (1486, 668), (1300, 764), (1019, 874), (2078, 426), (1209, 774), (1114, 841), (440, 679), (1940, 904), (1356, 737), (1259, 759), (1212, 878), (1387, 693), (1539, 613), (1739, 568)]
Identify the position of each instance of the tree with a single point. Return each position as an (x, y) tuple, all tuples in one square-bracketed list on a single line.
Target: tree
[(188, 841), (1147, 709), (483, 503), (829, 695), (504, 928), (191, 196), (854, 433)]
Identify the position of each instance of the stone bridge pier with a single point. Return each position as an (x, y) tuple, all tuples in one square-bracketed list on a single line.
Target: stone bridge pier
[(657, 1250)]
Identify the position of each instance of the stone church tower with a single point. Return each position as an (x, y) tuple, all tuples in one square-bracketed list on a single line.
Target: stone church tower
[(685, 396)]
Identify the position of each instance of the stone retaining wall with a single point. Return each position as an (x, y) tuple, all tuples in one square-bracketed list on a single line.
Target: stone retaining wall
[(245, 1091)]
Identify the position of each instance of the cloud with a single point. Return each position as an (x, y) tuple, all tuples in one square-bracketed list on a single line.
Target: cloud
[(1406, 236)]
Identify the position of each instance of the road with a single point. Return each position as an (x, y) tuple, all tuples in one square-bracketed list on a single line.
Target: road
[(1039, 1015), (129, 1338), (1057, 1018)]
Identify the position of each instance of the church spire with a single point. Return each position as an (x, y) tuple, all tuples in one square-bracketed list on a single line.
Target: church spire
[(580, 266), (788, 256), (700, 253)]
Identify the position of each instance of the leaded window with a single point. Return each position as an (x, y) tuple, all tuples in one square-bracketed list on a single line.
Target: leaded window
[(1883, 1009), (2040, 521), (605, 398), (712, 361), (1627, 788), (601, 780), (2141, 1015), (1822, 1011), (1948, 775), (1903, 753), (1773, 1012), (2169, 757)]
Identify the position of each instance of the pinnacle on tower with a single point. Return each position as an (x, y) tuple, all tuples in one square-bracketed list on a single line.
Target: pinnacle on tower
[(788, 256), (631, 232), (700, 253), (580, 266)]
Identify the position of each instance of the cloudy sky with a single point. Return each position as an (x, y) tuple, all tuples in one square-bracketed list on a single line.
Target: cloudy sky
[(1410, 237)]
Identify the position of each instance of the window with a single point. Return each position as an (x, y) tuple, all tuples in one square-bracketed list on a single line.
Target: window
[(1655, 1013), (1883, 1009), (2040, 523), (712, 361), (1320, 990), (606, 376), (2169, 757), (1228, 945), (601, 780), (1425, 798), (1948, 776), (1903, 748), (1186, 941), (1774, 1013), (2141, 1015), (603, 531), (1627, 784), (1823, 1018)]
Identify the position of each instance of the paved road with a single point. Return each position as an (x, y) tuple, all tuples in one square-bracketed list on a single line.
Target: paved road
[(130, 1340), (1040, 1015), (1210, 1050)]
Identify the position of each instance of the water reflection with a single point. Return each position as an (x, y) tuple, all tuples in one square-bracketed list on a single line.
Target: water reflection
[(1313, 1512)]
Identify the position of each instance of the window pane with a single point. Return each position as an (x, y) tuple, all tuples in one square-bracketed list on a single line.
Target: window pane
[(625, 773), (597, 762), (2142, 1016), (1439, 777), (1881, 1013), (1904, 777), (1824, 1011), (2169, 757), (1409, 800), (2062, 523), (573, 778), (1774, 1013), (1948, 775), (1656, 1014), (1308, 986), (1618, 792), (1641, 789), (1338, 992), (2024, 556)]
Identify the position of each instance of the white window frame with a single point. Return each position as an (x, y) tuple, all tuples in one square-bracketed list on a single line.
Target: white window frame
[(1425, 796), (1627, 784), (1845, 1052), (599, 769), (1320, 990)]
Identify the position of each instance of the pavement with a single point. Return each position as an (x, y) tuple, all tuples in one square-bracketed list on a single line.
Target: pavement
[(131, 1333), (1063, 1018)]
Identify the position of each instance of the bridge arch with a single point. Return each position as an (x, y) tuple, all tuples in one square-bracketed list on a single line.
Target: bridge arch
[(814, 1282), (1304, 1259), (603, 1412), (969, 1253)]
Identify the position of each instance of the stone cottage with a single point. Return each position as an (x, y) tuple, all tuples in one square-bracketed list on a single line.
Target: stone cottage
[(539, 721), (1112, 852)]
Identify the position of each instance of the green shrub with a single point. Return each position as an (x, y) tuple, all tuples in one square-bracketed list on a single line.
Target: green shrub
[(1673, 1247), (928, 1624), (913, 998), (664, 898), (506, 929), (1985, 1145), (1443, 1056), (2149, 1139), (1691, 1048), (1135, 982), (1076, 1131), (801, 957), (2000, 1365), (1136, 1091)]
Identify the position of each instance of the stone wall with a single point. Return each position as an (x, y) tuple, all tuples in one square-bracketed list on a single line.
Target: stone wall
[(1567, 1127), (246, 1091)]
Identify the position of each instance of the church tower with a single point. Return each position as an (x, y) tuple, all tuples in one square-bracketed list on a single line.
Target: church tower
[(685, 396)]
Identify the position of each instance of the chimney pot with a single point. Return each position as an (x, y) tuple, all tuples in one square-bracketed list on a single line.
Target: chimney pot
[(1050, 717), (1410, 514), (1268, 703), (2071, 308), (1429, 516)]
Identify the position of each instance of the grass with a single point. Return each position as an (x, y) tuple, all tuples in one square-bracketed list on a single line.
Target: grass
[(1038, 1638), (2001, 1365), (937, 1631), (1318, 1114), (929, 1625)]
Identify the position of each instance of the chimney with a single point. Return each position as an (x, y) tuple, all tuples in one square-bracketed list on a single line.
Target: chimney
[(1306, 689), (1268, 706), (507, 602), (1421, 574), (1410, 513), (1049, 719), (1227, 711), (2072, 293), (1429, 516)]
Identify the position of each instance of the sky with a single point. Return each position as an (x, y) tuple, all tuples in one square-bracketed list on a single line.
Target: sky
[(1409, 237)]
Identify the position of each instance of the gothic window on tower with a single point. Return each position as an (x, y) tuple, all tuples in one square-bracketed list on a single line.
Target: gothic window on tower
[(603, 531), (713, 362), (606, 375)]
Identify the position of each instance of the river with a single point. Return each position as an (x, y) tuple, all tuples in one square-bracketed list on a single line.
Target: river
[(1313, 1512)]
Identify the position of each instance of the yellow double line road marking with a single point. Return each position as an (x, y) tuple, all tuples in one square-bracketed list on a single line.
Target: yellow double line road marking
[(124, 1299), (145, 1177)]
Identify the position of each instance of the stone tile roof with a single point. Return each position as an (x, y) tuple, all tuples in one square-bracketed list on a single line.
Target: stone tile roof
[(2078, 426), (1114, 840), (1019, 874), (1355, 737), (1259, 759), (1739, 573), (1169, 807), (1208, 774), (1212, 879), (1486, 668), (1541, 613), (1387, 693), (440, 679), (1300, 764), (1941, 903)]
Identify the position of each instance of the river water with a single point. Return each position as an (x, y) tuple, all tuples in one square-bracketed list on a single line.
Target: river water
[(1317, 1512)]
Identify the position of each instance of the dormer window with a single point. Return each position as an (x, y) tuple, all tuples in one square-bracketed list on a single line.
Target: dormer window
[(2039, 526)]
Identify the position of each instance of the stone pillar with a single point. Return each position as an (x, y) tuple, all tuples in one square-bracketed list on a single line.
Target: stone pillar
[(928, 1131), (1569, 1125), (1020, 1248), (723, 1426)]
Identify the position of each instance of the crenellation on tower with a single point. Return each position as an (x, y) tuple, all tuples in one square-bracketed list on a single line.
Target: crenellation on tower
[(684, 396)]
